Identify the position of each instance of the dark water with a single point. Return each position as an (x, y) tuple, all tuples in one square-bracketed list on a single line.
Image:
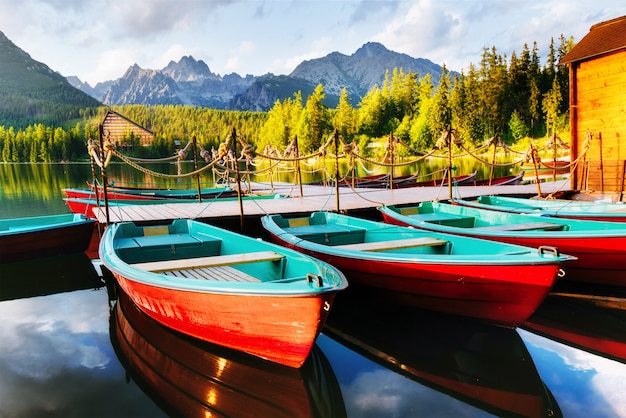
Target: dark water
[(68, 350)]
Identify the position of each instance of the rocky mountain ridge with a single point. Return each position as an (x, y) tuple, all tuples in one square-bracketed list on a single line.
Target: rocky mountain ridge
[(191, 82)]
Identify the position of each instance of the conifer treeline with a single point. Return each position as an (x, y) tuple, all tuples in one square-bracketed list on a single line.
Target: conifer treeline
[(512, 97)]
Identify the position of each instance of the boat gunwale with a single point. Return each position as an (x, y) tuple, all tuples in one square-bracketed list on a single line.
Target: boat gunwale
[(73, 219)]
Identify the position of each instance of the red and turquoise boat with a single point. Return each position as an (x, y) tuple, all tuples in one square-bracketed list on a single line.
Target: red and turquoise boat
[(600, 247), (223, 287), (440, 272), (44, 236)]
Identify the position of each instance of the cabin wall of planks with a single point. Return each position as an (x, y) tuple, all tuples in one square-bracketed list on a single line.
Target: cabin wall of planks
[(598, 111), (117, 128)]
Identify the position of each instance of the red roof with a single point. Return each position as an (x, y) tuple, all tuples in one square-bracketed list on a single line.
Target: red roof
[(603, 38)]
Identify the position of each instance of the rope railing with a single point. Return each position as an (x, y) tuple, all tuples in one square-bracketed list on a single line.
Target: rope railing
[(272, 161)]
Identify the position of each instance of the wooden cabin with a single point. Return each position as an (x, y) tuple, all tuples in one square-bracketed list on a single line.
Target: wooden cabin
[(117, 128), (597, 86)]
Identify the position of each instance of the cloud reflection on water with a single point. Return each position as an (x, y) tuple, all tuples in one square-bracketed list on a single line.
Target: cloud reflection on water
[(56, 359), (584, 384)]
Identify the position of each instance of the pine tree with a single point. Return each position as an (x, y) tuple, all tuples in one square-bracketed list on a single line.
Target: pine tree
[(344, 119), (440, 117)]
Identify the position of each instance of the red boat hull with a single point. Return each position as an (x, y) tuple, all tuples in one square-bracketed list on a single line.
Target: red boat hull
[(50, 242), (232, 320), (111, 195), (82, 208), (600, 260), (503, 295)]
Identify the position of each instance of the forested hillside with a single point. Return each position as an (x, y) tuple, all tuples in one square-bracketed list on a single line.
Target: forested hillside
[(512, 97), (30, 92)]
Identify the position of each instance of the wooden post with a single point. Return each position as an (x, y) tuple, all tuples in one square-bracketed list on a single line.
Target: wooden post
[(493, 158), (554, 158), (337, 168), (392, 151), (298, 172), (533, 154), (448, 139), (93, 174), (104, 176), (237, 178), (195, 168)]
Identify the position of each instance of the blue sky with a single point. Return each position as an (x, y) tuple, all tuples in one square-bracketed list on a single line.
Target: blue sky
[(97, 40)]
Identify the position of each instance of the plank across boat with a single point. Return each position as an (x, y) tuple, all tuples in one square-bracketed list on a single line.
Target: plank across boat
[(600, 247), (223, 287), (44, 236), (435, 271)]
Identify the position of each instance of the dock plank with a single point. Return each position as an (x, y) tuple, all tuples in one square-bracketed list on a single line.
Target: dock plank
[(316, 198)]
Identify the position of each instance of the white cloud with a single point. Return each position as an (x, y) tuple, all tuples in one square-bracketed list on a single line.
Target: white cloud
[(86, 37)]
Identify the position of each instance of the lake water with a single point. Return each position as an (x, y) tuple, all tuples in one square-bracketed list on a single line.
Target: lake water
[(68, 350)]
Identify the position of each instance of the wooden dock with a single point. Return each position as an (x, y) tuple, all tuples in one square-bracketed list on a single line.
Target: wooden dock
[(316, 198)]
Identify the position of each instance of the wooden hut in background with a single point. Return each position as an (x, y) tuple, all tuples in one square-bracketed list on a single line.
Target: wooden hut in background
[(597, 84), (117, 128)]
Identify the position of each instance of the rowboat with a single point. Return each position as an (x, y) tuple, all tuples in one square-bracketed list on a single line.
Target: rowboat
[(223, 287), (189, 378), (434, 271), (192, 193), (478, 364), (559, 208), (579, 323), (548, 167), (384, 181), (44, 236), (74, 193), (501, 181), (599, 246), (381, 181), (463, 180), (86, 206)]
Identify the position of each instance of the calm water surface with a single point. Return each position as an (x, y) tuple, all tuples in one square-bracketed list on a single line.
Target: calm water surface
[(69, 348)]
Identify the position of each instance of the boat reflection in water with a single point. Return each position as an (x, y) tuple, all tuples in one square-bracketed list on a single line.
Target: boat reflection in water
[(482, 365), (47, 276), (596, 325), (188, 377)]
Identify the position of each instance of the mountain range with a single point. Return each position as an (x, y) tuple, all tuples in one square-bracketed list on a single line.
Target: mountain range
[(30, 91), (191, 82)]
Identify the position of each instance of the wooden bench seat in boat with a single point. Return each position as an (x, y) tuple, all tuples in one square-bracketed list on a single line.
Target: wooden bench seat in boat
[(544, 226), (211, 261), (218, 273), (394, 244), (439, 218)]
